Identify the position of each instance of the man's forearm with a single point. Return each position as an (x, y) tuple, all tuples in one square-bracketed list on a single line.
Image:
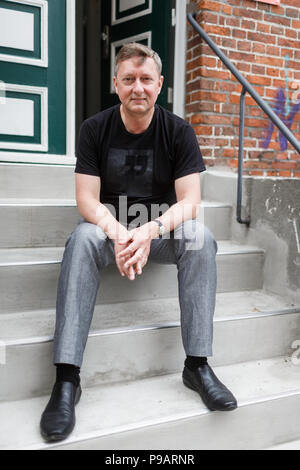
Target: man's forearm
[(179, 213), (96, 213)]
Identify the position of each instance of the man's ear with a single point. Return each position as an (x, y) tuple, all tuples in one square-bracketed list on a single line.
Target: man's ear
[(161, 82), (115, 84)]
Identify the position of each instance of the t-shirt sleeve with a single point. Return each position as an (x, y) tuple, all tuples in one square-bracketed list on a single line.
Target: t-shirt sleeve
[(87, 152), (188, 157)]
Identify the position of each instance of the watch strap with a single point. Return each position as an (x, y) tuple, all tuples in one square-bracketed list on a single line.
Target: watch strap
[(161, 226)]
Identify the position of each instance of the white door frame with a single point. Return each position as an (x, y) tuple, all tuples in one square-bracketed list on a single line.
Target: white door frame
[(179, 94)]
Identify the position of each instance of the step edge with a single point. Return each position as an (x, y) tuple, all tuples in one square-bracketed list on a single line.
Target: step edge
[(167, 325), (28, 263), (17, 205), (59, 202), (285, 443), (246, 251), (173, 299), (12, 164), (157, 422)]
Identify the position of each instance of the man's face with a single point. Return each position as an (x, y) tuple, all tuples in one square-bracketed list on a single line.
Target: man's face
[(138, 85)]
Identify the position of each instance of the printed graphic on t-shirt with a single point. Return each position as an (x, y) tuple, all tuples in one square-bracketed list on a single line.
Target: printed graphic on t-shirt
[(130, 172)]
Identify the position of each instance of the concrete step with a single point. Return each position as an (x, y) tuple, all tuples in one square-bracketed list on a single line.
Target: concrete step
[(25, 273), (36, 181), (291, 445), (49, 222), (160, 413), (40, 181), (140, 314), (147, 342), (221, 185), (37, 222)]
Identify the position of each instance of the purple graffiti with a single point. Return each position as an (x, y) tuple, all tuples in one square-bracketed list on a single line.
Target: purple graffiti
[(280, 110)]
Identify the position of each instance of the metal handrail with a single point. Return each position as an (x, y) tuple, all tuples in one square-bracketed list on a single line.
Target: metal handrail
[(192, 12)]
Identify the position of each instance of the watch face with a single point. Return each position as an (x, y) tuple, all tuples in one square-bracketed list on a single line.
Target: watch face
[(162, 230)]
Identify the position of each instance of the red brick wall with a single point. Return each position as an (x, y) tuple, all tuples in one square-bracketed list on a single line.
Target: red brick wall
[(263, 42)]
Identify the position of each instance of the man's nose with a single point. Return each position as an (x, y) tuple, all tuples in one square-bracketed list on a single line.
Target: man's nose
[(138, 86)]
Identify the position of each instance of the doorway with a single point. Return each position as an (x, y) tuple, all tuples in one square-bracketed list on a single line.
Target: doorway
[(102, 27)]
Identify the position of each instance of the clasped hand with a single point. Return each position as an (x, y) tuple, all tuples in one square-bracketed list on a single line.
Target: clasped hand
[(132, 254)]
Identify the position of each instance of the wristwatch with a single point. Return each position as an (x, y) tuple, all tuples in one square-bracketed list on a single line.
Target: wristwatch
[(162, 228)]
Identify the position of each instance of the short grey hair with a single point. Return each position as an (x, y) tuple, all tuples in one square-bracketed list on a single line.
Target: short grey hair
[(135, 49)]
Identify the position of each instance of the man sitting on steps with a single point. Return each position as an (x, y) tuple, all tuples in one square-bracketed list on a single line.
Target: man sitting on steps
[(138, 152)]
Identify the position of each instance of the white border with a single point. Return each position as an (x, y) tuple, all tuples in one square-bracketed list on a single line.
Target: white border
[(179, 95), (129, 17), (146, 35), (43, 92), (71, 78), (43, 61), (19, 158)]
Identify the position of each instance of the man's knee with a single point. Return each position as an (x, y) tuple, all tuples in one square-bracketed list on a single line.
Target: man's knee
[(195, 236), (87, 234), (209, 240)]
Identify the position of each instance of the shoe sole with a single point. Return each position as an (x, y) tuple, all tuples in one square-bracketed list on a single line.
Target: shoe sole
[(189, 385), (55, 438), (62, 437)]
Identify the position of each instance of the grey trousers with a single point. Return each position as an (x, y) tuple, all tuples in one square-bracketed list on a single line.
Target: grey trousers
[(88, 250)]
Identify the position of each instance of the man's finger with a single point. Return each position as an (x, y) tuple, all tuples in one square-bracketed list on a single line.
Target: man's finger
[(124, 242), (121, 271), (135, 259), (138, 269), (130, 250), (120, 266), (131, 273)]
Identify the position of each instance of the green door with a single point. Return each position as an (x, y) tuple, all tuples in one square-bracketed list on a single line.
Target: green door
[(33, 76), (145, 21)]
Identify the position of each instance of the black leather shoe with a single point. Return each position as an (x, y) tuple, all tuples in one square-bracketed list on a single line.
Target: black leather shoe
[(214, 394), (58, 419)]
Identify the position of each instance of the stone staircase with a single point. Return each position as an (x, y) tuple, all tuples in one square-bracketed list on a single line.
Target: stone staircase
[(133, 396)]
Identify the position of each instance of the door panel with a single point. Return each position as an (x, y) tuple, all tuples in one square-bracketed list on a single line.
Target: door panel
[(125, 10), (143, 38), (145, 21)]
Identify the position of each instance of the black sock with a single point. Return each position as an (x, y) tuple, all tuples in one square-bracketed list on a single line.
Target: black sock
[(193, 362), (68, 373)]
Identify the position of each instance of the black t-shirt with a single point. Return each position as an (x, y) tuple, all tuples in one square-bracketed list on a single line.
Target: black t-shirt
[(140, 167)]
